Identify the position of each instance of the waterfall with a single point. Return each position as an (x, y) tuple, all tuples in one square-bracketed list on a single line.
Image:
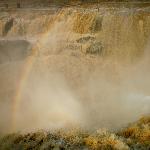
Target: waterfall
[(89, 63)]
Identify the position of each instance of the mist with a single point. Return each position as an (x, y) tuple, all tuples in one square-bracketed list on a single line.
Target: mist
[(68, 87)]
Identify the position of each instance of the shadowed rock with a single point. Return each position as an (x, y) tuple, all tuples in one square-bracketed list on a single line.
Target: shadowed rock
[(8, 26), (85, 39), (95, 48)]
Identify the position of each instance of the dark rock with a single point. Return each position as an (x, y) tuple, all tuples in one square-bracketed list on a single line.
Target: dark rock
[(95, 48), (8, 26), (97, 24), (85, 39)]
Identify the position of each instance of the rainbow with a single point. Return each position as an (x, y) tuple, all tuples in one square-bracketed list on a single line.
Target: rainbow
[(25, 72)]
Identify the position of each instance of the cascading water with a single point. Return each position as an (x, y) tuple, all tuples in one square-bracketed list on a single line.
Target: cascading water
[(89, 68)]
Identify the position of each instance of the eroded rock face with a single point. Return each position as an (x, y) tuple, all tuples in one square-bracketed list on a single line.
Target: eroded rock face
[(14, 50)]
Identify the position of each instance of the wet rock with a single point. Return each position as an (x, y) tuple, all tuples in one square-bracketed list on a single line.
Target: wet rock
[(97, 24), (8, 26), (86, 39), (139, 147), (95, 48)]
